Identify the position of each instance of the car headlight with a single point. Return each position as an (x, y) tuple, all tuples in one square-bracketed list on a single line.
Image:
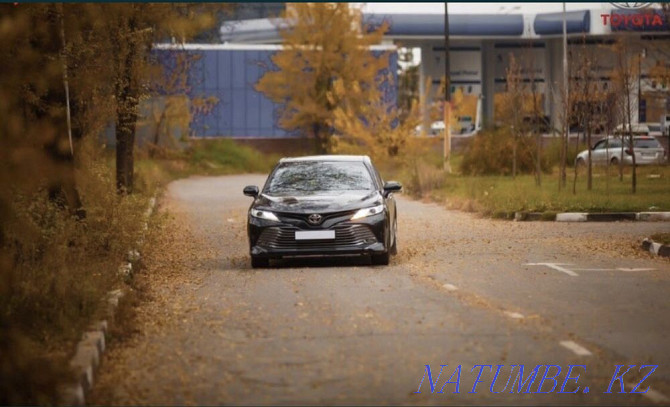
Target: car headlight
[(264, 215), (365, 212)]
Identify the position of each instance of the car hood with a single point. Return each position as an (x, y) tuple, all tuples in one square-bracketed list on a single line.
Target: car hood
[(320, 202)]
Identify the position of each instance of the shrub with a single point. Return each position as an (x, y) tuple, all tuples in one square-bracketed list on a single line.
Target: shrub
[(552, 151), (490, 153), (224, 156), (55, 271)]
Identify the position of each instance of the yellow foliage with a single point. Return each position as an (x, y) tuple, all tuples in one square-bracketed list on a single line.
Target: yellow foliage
[(326, 64)]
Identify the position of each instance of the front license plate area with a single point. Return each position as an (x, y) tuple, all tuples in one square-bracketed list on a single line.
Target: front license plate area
[(314, 235)]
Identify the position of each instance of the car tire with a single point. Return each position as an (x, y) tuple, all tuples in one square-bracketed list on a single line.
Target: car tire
[(614, 161), (259, 262), (580, 162), (394, 247), (381, 259)]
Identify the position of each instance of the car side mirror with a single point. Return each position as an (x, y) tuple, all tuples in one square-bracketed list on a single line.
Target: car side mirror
[(391, 186), (251, 190)]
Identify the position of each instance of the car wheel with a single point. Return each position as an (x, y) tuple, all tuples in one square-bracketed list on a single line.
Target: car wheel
[(614, 161), (581, 162), (259, 262), (394, 247), (381, 259)]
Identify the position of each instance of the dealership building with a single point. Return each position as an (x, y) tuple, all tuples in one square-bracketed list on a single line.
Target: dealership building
[(479, 51)]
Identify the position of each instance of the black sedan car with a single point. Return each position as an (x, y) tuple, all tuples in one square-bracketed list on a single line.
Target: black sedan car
[(322, 205)]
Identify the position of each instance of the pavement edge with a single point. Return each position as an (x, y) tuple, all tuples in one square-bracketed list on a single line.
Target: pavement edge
[(662, 250), (593, 217), (89, 350)]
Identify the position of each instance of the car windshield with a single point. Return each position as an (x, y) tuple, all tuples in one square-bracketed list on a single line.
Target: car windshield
[(646, 143), (304, 177)]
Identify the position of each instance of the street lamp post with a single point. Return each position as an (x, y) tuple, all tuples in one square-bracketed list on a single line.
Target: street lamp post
[(566, 102), (643, 54), (447, 94)]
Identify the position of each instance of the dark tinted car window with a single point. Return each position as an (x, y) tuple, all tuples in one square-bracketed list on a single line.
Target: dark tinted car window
[(646, 143), (311, 176)]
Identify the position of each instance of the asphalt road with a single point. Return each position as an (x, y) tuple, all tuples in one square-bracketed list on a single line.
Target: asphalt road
[(460, 292)]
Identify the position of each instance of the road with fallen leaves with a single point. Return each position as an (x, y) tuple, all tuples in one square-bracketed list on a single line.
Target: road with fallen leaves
[(462, 291)]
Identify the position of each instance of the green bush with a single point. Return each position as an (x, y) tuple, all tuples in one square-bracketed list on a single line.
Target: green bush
[(224, 156), (491, 151), (552, 151)]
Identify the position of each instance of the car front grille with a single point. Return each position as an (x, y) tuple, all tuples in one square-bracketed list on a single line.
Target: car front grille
[(345, 236)]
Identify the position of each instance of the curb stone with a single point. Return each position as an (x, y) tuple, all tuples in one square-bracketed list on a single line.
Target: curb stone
[(89, 350), (594, 217), (658, 249)]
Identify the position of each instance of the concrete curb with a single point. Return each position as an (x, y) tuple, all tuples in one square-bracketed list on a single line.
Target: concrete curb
[(89, 350), (658, 249), (593, 217)]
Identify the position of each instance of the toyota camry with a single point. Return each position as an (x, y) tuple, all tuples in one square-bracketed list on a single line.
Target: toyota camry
[(322, 205)]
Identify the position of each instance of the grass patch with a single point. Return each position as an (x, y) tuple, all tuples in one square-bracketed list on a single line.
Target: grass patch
[(501, 194), (202, 157), (498, 195)]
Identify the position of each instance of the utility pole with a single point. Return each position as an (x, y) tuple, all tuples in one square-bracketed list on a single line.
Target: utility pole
[(566, 103), (643, 54), (447, 94)]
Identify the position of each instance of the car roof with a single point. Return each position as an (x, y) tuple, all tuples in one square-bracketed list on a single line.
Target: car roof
[(332, 157), (638, 137)]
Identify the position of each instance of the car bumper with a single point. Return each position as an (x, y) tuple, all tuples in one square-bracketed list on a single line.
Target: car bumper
[(275, 240), (645, 160)]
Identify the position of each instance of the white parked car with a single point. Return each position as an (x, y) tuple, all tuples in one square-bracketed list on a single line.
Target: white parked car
[(465, 124), (665, 125), (437, 128), (648, 151), (654, 129), (639, 129)]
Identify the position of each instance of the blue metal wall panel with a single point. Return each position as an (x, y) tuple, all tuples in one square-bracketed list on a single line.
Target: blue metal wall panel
[(231, 76)]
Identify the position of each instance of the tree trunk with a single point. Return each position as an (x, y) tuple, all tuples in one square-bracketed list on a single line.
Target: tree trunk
[(514, 147), (589, 175), (320, 137), (127, 100)]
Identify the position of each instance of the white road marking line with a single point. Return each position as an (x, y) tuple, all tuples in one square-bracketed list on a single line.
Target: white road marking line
[(557, 267), (449, 287), (578, 349), (617, 269), (514, 315)]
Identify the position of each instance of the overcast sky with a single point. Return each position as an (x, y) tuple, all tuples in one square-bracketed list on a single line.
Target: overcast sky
[(478, 8)]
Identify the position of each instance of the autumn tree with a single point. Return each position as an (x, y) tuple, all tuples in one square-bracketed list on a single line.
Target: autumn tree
[(587, 101), (91, 57), (379, 127), (323, 44), (408, 82), (624, 77), (513, 107), (128, 34)]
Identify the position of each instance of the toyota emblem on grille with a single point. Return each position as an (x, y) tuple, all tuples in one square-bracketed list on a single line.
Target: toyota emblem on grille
[(314, 218)]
